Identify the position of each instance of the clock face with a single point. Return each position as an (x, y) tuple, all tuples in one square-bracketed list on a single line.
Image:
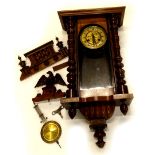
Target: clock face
[(93, 37)]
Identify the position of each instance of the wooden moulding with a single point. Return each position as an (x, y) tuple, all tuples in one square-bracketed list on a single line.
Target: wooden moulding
[(116, 98), (48, 94), (41, 58), (60, 66), (86, 12)]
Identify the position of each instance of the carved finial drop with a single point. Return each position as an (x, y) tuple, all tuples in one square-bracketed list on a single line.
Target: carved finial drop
[(124, 108), (21, 63), (59, 43), (72, 111), (19, 58), (99, 133)]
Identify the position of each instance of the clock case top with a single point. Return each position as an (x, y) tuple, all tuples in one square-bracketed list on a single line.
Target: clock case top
[(63, 15)]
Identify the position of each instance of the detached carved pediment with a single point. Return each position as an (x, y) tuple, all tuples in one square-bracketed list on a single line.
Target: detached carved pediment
[(41, 58)]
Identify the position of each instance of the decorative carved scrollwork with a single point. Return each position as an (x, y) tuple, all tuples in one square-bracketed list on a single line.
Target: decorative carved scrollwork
[(121, 87), (49, 89), (42, 57), (71, 77)]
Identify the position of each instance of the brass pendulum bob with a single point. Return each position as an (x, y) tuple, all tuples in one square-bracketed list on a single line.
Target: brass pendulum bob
[(51, 132)]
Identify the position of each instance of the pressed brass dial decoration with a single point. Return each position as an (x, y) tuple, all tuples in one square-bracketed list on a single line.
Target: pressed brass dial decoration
[(93, 37), (50, 132)]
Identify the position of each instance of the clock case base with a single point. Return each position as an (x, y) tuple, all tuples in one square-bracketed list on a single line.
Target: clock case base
[(97, 109)]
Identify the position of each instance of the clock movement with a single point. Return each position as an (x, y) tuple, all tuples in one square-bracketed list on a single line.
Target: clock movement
[(96, 78)]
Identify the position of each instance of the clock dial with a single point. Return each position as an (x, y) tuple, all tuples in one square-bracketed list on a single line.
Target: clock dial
[(50, 132), (93, 37)]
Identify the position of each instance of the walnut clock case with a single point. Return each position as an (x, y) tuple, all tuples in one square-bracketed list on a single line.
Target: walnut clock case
[(96, 78)]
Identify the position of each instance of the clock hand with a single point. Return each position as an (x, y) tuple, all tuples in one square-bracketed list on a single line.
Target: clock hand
[(93, 37)]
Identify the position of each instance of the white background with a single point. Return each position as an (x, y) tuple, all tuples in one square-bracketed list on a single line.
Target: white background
[(27, 24)]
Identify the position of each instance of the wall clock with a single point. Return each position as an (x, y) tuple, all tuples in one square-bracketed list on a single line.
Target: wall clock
[(96, 78)]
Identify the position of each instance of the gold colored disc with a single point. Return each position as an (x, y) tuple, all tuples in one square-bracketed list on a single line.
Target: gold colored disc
[(51, 132), (93, 37)]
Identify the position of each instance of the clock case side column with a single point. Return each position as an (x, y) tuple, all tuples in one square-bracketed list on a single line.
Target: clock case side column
[(119, 72), (71, 76)]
